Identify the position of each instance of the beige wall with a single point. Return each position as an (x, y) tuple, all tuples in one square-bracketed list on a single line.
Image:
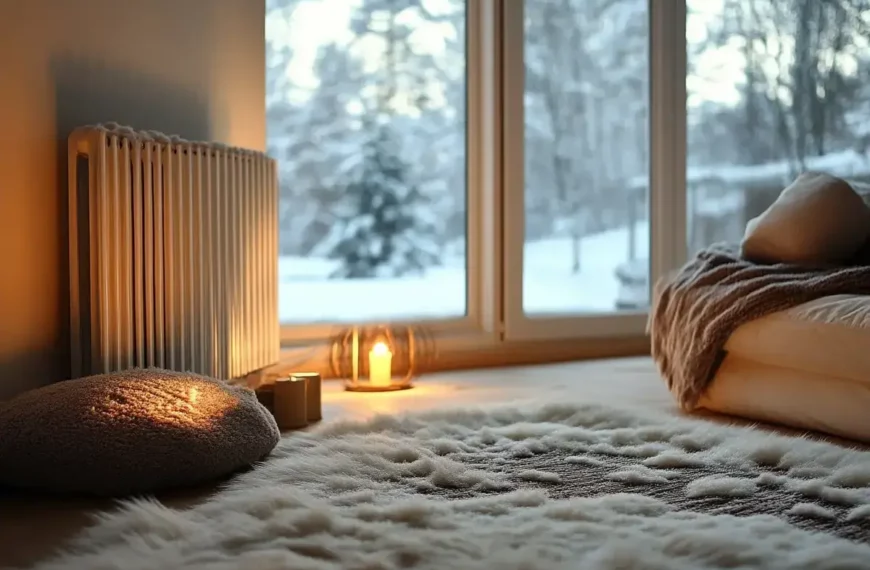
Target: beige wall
[(189, 67)]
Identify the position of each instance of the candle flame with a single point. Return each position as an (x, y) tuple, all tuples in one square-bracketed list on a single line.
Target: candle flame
[(380, 348)]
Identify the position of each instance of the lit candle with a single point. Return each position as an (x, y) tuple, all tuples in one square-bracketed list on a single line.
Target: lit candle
[(380, 362)]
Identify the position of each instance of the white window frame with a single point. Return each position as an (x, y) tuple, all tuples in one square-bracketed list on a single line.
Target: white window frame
[(495, 188), (668, 116)]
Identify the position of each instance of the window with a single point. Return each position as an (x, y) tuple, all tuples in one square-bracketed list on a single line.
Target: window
[(501, 171)]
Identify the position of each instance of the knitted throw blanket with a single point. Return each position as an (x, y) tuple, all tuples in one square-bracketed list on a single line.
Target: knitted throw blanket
[(695, 311)]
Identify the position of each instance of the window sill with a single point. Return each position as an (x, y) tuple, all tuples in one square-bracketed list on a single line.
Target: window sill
[(469, 356)]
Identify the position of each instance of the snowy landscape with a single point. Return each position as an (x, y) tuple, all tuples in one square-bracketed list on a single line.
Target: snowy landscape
[(549, 285), (366, 109)]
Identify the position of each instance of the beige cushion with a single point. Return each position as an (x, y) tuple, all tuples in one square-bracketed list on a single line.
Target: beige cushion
[(828, 336), (796, 398), (131, 432), (807, 367), (818, 219)]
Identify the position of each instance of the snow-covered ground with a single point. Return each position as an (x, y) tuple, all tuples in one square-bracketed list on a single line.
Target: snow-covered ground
[(307, 295), (550, 287)]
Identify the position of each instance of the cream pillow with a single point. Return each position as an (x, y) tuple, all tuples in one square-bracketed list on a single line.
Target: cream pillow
[(817, 220)]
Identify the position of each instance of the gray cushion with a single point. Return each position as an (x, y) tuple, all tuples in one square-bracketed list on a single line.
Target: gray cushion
[(131, 432)]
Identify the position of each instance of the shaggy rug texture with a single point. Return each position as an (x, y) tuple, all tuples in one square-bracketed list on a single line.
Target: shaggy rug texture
[(553, 487)]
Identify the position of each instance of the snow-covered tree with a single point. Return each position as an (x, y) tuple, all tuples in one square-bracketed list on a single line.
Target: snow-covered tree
[(326, 146), (802, 78), (383, 228), (586, 114), (315, 135), (388, 207)]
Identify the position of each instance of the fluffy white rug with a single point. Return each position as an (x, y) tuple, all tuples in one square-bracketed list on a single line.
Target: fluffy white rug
[(511, 489)]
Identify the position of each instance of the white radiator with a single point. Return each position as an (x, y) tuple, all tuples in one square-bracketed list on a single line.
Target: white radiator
[(173, 254)]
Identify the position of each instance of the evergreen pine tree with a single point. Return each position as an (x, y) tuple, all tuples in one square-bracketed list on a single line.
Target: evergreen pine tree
[(385, 223), (383, 229)]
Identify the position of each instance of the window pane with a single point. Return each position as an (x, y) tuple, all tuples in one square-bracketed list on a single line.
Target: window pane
[(586, 156), (775, 87), (366, 117)]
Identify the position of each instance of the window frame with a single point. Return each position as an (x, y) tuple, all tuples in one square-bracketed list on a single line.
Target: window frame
[(667, 198), (495, 193)]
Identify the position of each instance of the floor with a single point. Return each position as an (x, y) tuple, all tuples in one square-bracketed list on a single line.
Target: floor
[(32, 527)]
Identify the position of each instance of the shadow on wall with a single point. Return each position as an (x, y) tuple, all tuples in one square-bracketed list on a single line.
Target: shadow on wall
[(87, 93)]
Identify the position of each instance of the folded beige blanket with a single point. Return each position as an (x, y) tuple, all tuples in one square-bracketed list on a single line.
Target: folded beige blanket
[(695, 311)]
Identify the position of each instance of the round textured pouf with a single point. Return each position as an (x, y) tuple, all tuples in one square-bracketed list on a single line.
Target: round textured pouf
[(131, 432)]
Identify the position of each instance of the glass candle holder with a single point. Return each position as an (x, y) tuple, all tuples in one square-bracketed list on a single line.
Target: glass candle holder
[(380, 359)]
